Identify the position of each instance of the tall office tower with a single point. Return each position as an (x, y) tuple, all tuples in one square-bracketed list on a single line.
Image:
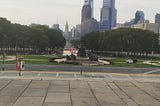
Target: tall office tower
[(86, 11), (88, 23), (86, 15), (139, 16), (157, 19), (91, 4), (108, 15)]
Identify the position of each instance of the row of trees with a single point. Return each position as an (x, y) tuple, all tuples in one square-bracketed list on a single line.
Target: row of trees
[(36, 37), (122, 40)]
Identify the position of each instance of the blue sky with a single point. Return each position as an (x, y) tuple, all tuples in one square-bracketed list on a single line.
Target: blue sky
[(58, 11)]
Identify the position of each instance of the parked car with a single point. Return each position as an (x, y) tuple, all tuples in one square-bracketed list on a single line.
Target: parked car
[(129, 61)]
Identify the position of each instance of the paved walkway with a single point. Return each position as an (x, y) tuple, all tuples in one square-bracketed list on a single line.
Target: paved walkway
[(60, 89)]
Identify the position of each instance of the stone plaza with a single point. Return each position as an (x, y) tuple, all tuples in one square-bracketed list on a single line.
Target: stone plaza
[(114, 90)]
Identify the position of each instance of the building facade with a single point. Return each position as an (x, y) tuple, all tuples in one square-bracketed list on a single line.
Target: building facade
[(108, 16), (86, 13), (146, 25), (78, 27), (90, 26), (157, 19), (74, 33)]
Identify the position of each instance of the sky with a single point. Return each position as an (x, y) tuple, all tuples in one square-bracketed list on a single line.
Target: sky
[(49, 12)]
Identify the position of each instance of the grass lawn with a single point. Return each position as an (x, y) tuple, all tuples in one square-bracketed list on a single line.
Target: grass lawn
[(117, 62), (121, 62), (34, 59), (135, 65)]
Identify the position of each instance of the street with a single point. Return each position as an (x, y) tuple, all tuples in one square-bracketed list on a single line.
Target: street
[(72, 68)]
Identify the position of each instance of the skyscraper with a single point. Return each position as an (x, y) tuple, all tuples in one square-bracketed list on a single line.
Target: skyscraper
[(108, 15), (86, 11), (139, 16), (88, 23), (157, 19), (91, 4)]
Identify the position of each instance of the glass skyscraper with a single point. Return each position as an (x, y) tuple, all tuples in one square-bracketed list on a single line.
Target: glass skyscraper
[(139, 16), (108, 15)]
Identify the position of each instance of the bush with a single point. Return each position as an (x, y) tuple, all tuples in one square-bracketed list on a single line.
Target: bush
[(93, 58), (51, 59), (135, 60)]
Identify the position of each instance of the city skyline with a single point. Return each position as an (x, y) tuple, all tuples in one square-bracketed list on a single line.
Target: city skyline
[(108, 15), (55, 11)]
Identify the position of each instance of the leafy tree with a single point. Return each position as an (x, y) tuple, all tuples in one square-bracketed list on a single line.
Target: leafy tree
[(91, 40), (76, 43), (37, 37), (122, 40)]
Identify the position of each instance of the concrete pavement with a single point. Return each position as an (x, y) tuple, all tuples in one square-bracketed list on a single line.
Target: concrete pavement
[(69, 89)]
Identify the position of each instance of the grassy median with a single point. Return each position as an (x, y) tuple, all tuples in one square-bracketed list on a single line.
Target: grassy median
[(116, 62)]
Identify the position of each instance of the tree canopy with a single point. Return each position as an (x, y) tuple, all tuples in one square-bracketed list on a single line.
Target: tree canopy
[(37, 37), (122, 40)]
